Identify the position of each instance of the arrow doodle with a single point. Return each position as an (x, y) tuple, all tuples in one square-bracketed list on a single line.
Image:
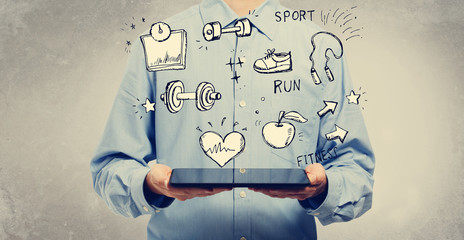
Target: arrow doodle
[(329, 107), (339, 134)]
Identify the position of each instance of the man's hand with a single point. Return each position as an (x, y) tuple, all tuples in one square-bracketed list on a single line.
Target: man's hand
[(158, 182), (317, 177)]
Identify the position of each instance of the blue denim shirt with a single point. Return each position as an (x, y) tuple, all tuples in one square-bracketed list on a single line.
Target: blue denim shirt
[(252, 106)]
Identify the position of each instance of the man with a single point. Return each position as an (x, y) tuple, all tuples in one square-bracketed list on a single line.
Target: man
[(262, 84)]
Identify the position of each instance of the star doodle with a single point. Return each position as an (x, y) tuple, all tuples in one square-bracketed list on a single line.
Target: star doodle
[(240, 62), (149, 106), (353, 97), (235, 77), (128, 43), (230, 63), (132, 26)]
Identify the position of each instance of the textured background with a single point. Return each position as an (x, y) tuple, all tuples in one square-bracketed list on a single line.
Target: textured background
[(61, 63)]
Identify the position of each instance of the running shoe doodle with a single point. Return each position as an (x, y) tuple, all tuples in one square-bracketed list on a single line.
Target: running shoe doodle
[(274, 62)]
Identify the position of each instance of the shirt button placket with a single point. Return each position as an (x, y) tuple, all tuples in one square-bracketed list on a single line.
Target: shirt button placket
[(242, 90)]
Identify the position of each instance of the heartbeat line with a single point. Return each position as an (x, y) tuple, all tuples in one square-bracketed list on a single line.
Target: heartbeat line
[(218, 148)]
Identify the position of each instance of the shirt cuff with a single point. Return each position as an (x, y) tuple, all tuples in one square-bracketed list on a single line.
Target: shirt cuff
[(154, 199), (324, 208), (147, 203)]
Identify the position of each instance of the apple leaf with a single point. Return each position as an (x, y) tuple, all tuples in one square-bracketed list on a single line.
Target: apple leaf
[(295, 116)]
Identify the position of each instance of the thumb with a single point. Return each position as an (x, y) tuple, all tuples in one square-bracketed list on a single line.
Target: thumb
[(312, 178), (315, 173), (166, 181)]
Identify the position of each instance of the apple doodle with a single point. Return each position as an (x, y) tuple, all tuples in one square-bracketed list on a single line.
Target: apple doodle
[(222, 150), (280, 134)]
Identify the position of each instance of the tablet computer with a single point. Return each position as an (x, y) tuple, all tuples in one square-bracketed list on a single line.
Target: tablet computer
[(239, 177)]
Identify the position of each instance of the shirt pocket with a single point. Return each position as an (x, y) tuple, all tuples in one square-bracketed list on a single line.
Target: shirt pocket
[(292, 129)]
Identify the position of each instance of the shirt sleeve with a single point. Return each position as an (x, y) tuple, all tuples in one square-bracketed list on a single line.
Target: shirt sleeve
[(119, 166), (350, 173)]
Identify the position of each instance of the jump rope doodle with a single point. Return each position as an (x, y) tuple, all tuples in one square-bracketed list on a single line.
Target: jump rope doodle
[(338, 53)]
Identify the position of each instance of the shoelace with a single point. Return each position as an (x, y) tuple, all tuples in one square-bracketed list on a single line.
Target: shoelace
[(269, 53)]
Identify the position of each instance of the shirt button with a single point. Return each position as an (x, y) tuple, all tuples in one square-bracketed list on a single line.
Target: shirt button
[(242, 103), (145, 208), (243, 194), (315, 214), (243, 238), (157, 211)]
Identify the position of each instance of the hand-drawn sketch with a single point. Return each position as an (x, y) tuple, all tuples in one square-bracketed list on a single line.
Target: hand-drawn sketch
[(149, 106), (339, 134), (353, 98), (338, 53), (213, 31), (329, 107), (274, 62), (130, 29), (235, 77), (222, 150), (165, 49), (232, 64), (342, 19), (205, 96), (280, 134)]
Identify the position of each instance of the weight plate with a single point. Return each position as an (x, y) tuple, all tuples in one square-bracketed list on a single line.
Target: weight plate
[(245, 28), (212, 31), (172, 90)]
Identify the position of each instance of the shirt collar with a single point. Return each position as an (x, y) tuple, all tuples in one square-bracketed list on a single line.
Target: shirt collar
[(261, 18)]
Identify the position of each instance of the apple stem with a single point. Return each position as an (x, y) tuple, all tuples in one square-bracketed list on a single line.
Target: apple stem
[(281, 115)]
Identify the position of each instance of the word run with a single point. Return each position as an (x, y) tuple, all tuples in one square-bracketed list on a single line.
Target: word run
[(298, 15), (317, 157), (286, 86)]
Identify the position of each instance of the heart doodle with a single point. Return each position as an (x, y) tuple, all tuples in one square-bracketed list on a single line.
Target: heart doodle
[(222, 150)]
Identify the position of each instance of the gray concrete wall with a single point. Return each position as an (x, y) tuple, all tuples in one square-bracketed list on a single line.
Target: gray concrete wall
[(61, 63)]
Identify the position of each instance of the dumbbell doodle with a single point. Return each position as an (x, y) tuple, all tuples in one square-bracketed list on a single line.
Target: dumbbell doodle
[(165, 49), (213, 30), (204, 96)]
